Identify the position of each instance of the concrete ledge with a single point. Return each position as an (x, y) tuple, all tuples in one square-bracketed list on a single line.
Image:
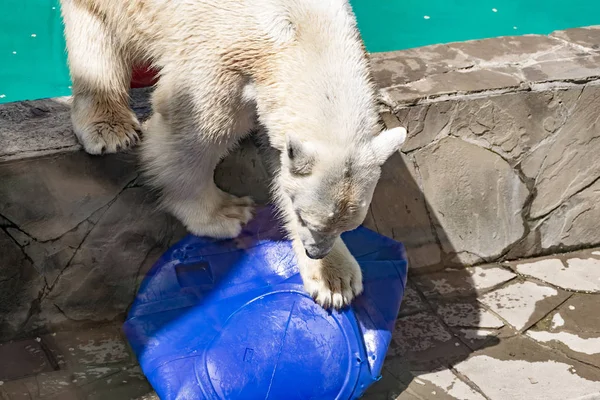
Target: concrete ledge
[(499, 65), (42, 127), (423, 75)]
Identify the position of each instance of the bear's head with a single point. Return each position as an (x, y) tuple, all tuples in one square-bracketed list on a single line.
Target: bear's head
[(330, 187)]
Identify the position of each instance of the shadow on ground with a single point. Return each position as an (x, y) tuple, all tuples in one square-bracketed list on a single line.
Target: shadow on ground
[(440, 322)]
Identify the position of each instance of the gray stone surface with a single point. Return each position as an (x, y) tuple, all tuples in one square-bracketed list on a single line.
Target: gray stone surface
[(542, 142), (523, 303), (32, 127), (48, 197), (127, 384), (21, 359), (476, 197), (412, 302), (573, 329), (573, 223), (426, 123), (78, 234), (103, 275), (398, 68), (514, 125), (423, 341), (588, 37), (88, 347), (462, 282), (387, 388), (41, 127), (518, 368), (545, 133), (575, 69), (462, 314), (504, 64), (21, 287), (443, 384), (90, 363), (567, 168), (477, 80), (399, 211), (510, 49), (575, 272)]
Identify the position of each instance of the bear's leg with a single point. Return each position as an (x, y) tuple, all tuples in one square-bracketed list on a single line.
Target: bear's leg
[(101, 74), (180, 162)]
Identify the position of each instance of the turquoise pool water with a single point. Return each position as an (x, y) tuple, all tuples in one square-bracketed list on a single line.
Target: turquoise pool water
[(32, 55), (400, 24)]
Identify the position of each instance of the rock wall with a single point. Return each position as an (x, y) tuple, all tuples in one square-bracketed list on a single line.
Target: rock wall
[(496, 178), (501, 157)]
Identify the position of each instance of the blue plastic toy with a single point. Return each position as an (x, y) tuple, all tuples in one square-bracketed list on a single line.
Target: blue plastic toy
[(229, 319)]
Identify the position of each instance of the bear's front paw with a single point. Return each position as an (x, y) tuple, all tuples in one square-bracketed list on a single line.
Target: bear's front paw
[(108, 136), (332, 282)]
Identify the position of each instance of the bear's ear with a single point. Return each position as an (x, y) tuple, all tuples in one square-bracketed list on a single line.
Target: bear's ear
[(387, 143), (300, 157)]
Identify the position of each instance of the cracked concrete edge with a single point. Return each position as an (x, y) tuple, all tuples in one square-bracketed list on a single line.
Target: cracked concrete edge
[(25, 134), (531, 87), (513, 69), (36, 304)]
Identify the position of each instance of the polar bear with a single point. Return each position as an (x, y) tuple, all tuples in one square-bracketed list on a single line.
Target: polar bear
[(296, 68)]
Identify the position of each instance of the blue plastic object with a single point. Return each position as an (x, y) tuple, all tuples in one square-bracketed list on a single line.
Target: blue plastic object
[(229, 319)]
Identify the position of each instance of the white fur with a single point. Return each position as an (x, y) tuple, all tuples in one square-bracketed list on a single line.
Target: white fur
[(295, 67)]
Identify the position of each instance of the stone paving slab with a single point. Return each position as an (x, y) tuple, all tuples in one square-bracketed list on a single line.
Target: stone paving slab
[(443, 384), (84, 364), (412, 302), (91, 347), (523, 303), (576, 271), (467, 315), (425, 342), (463, 282), (127, 384), (518, 368), (47, 385), (573, 329), (388, 387), (22, 358)]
